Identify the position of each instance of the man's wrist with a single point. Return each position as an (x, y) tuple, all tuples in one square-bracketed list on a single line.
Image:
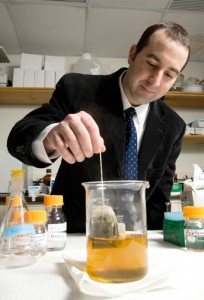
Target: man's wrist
[(39, 150)]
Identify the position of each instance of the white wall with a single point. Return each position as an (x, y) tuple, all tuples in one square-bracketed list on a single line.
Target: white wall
[(9, 115)]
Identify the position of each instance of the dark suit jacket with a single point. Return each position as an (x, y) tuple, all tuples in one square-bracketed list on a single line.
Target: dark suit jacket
[(100, 97)]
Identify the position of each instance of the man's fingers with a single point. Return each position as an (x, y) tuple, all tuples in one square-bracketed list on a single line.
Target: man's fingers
[(76, 138), (87, 133)]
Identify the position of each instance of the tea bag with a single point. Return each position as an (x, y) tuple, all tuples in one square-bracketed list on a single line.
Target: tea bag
[(104, 222)]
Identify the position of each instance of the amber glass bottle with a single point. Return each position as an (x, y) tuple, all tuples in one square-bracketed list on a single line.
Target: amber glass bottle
[(47, 177)]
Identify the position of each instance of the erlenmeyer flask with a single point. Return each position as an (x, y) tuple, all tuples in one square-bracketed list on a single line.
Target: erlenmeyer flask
[(17, 247)]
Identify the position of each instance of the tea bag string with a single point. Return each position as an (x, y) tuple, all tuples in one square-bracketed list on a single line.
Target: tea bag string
[(102, 190)]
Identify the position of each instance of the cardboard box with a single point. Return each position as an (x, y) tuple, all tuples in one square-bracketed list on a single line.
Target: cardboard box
[(39, 80), (31, 61), (28, 80), (199, 130), (49, 78), (54, 63), (3, 79), (198, 123), (58, 75), (18, 76)]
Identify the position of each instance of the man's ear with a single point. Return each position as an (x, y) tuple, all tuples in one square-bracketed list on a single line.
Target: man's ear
[(132, 53)]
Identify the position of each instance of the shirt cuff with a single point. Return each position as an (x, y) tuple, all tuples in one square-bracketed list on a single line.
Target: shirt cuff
[(38, 146)]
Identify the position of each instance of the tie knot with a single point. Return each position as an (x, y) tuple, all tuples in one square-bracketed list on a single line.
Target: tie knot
[(130, 113)]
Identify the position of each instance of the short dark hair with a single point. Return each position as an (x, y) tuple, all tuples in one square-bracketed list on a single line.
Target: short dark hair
[(173, 30)]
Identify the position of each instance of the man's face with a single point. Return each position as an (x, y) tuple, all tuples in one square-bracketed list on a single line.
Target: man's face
[(154, 69)]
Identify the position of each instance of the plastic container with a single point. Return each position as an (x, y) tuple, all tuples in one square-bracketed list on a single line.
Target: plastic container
[(194, 227), (173, 232), (56, 223), (39, 218)]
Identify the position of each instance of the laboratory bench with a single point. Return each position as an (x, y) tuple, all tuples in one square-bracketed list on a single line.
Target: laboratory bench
[(173, 273)]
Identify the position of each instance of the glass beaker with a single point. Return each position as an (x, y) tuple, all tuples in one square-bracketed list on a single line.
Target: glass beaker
[(116, 230)]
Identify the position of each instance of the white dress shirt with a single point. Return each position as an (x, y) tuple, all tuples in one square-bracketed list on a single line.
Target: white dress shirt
[(141, 114)]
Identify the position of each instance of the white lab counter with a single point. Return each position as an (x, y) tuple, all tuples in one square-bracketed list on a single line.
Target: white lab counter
[(173, 272)]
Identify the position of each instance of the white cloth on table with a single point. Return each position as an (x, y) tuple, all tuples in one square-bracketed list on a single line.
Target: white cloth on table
[(167, 272)]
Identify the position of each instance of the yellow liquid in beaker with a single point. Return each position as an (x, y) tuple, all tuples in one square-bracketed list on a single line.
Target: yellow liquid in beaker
[(117, 260)]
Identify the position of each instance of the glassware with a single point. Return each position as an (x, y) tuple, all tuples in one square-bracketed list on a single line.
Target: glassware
[(56, 222), (38, 218), (116, 230), (16, 247), (194, 227), (47, 181)]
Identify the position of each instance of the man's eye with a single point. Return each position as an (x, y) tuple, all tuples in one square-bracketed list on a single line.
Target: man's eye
[(169, 75), (151, 65)]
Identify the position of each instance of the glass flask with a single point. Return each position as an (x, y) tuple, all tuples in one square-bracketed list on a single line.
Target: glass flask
[(116, 230), (16, 246)]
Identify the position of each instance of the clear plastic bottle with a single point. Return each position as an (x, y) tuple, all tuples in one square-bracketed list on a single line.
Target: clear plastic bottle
[(56, 222), (194, 227), (38, 218), (16, 248)]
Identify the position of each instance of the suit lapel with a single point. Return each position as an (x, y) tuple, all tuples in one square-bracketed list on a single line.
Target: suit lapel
[(154, 135), (112, 119)]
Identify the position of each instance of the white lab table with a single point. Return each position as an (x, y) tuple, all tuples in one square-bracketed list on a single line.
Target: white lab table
[(181, 272)]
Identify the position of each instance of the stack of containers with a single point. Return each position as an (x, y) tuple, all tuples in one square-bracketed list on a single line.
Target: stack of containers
[(50, 225)]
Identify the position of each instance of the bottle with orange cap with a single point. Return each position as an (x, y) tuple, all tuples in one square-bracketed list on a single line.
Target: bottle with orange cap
[(56, 222), (38, 218), (16, 246), (194, 227)]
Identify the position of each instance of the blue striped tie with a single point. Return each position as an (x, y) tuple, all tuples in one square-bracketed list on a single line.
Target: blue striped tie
[(130, 159)]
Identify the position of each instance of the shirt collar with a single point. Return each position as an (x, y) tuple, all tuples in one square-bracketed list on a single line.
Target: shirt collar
[(141, 110)]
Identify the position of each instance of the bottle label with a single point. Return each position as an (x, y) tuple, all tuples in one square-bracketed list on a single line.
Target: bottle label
[(19, 230), (57, 227), (21, 240), (194, 238), (194, 232), (57, 236), (40, 238), (57, 232)]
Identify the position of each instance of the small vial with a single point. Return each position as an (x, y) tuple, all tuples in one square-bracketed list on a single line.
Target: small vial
[(56, 222), (38, 218), (194, 227)]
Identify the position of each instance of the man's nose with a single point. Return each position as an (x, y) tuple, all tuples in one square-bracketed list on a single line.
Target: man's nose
[(155, 79)]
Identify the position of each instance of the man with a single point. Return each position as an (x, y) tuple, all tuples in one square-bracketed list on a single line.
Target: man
[(85, 116)]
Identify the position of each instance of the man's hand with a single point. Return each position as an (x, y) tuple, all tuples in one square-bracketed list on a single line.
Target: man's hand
[(75, 138)]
